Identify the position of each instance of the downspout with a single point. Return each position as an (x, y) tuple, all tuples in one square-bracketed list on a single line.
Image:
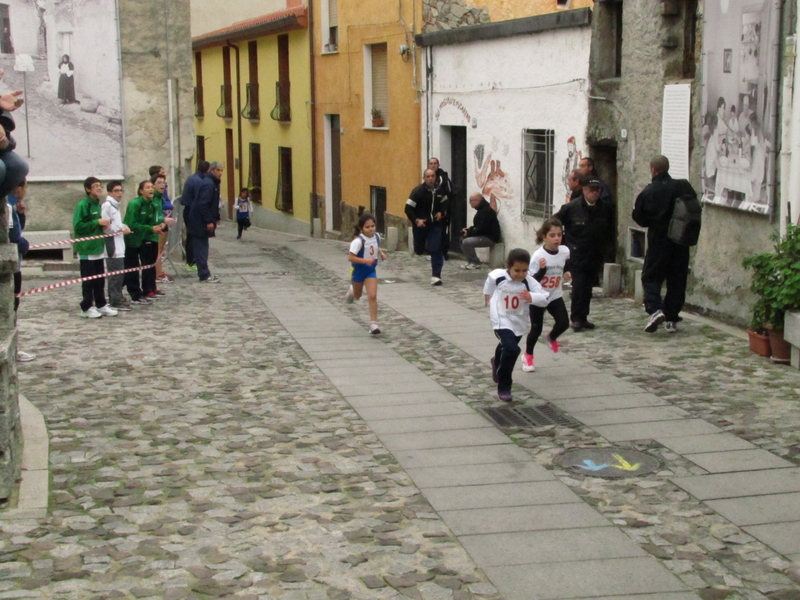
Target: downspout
[(170, 101), (428, 99), (238, 116), (794, 158), (311, 51)]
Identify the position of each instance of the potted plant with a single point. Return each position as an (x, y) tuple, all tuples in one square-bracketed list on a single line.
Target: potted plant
[(377, 117), (776, 282)]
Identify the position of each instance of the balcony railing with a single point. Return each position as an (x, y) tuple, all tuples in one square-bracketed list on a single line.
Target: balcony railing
[(198, 101), (282, 112), (225, 109), (251, 109)]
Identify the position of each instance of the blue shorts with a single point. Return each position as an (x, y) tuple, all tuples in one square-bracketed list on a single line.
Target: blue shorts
[(358, 273)]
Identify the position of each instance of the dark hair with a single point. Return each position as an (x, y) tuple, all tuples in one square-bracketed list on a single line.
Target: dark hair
[(720, 102), (362, 220), (203, 166), (518, 255), (546, 227), (112, 184), (244, 189), (584, 178), (141, 186), (156, 177), (589, 160), (155, 170), (89, 182)]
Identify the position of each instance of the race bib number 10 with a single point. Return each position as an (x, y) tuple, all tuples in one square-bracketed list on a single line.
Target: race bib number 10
[(511, 304)]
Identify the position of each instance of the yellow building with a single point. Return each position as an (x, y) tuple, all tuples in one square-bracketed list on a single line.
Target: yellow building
[(252, 112)]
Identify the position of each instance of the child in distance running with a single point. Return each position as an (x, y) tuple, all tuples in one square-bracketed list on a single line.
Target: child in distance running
[(508, 292), (364, 252)]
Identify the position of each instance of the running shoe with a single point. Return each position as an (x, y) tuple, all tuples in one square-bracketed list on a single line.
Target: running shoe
[(671, 327), (92, 313), (107, 311), (374, 329), (527, 363), (25, 357), (554, 347), (656, 319), (349, 298)]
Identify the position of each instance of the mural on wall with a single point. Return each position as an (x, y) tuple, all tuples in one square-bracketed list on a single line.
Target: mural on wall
[(493, 182), (574, 157), (739, 67), (73, 125)]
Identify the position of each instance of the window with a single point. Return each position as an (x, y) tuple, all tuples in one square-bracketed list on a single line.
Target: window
[(225, 109), (332, 44), (607, 50), (200, 142), (284, 200), (376, 82), (562, 3), (282, 111), (251, 110), (537, 167), (198, 88), (617, 23), (377, 202), (689, 39), (254, 179)]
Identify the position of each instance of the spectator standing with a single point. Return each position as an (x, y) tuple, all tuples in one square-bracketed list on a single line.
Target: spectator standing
[(159, 187), (484, 233), (586, 167), (664, 260), (588, 225), (88, 221), (115, 246), (187, 199), (203, 220), (145, 220), (427, 209)]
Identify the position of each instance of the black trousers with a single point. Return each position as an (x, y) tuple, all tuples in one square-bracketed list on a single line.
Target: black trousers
[(557, 310), (583, 278), (94, 291), (148, 254), (665, 261), (189, 246), (17, 288), (505, 357), (132, 261)]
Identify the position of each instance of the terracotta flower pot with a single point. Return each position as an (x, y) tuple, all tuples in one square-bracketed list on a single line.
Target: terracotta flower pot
[(781, 349), (759, 343), (377, 122)]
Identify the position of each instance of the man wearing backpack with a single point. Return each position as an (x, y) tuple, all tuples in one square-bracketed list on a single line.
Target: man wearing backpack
[(665, 260)]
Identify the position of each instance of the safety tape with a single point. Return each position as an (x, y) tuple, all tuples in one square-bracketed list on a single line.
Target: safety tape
[(94, 237), (54, 286)]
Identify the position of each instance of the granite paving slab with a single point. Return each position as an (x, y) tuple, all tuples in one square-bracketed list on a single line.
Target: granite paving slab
[(759, 510), (466, 475), (429, 423), (408, 411), (475, 455), (443, 439), (512, 519), (783, 537), (735, 485), (604, 403), (529, 493), (631, 415), (655, 429), (692, 444), (738, 460)]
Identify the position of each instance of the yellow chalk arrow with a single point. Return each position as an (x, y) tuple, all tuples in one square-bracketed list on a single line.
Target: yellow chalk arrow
[(624, 464)]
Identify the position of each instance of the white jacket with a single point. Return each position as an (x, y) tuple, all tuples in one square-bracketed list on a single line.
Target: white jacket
[(110, 212)]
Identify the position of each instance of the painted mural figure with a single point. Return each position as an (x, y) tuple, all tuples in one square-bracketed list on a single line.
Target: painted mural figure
[(66, 81), (491, 178)]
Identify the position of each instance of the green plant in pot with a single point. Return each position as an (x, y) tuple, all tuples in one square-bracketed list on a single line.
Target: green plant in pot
[(377, 117), (776, 282)]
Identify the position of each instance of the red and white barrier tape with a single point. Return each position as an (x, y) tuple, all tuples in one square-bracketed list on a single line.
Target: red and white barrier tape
[(53, 286), (94, 237)]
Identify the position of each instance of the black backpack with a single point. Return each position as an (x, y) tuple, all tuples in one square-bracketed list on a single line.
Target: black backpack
[(684, 226)]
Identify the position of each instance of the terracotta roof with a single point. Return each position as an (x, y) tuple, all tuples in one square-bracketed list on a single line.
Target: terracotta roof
[(290, 18)]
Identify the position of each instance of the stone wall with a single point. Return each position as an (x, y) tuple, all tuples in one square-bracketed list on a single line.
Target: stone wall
[(10, 429), (450, 14)]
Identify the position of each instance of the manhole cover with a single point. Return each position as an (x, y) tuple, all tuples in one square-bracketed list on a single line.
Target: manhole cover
[(529, 416), (608, 463)]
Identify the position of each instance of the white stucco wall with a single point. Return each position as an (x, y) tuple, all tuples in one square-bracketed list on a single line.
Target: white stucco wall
[(536, 81)]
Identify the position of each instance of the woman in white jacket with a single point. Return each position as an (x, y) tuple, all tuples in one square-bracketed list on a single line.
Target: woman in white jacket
[(115, 246)]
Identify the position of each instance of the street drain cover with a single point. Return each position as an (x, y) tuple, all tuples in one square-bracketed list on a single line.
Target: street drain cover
[(529, 416), (608, 463)]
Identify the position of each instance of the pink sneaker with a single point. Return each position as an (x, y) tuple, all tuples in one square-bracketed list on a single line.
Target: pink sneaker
[(554, 347), (527, 363)]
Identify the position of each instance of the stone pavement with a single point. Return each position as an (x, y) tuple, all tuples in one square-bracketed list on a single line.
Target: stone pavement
[(250, 440)]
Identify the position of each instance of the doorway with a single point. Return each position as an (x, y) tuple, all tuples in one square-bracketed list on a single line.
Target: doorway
[(605, 161), (334, 135), (377, 202), (454, 150), (6, 45)]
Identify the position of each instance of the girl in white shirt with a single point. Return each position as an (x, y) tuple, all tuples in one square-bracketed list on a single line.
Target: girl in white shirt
[(508, 292), (551, 260)]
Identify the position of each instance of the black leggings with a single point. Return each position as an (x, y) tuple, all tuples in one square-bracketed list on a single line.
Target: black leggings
[(558, 310)]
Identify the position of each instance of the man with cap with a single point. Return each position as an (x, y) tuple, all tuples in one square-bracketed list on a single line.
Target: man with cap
[(588, 225)]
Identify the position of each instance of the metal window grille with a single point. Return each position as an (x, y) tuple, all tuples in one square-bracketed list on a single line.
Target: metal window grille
[(538, 169)]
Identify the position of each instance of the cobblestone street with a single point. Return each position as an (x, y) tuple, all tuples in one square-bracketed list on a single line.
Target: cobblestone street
[(198, 450)]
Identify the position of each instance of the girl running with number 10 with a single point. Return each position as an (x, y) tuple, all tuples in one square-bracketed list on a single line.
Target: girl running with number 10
[(551, 259)]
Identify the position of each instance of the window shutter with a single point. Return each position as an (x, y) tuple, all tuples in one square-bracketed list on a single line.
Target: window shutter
[(380, 80), (333, 13)]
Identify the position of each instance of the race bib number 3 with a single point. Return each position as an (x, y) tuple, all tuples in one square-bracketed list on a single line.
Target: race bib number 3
[(511, 304)]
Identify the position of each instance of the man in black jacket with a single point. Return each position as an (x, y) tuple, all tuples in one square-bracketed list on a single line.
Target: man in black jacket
[(203, 218), (588, 225), (664, 259), (484, 233), (445, 188), (427, 209)]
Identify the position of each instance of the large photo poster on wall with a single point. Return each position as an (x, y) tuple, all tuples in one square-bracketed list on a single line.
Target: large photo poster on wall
[(65, 55), (739, 66)]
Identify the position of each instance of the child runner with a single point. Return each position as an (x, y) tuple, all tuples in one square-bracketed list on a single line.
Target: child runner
[(551, 259), (243, 210), (508, 292), (364, 252)]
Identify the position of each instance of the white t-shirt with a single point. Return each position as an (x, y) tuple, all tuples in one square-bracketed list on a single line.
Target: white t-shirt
[(554, 277), (506, 309), (371, 246)]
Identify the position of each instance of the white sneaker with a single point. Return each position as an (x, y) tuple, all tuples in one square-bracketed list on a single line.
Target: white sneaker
[(374, 329), (436, 281), (107, 311), (25, 357), (92, 313), (349, 298)]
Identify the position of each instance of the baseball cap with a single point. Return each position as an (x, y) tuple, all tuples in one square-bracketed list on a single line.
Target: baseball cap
[(593, 183)]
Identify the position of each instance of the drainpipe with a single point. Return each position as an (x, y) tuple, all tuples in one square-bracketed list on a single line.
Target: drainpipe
[(170, 102), (794, 159), (311, 51), (238, 117)]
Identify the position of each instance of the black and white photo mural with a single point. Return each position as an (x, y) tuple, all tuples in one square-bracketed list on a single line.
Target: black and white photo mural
[(65, 55), (740, 63)]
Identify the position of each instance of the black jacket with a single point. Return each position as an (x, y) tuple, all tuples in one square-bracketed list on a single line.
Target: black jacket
[(654, 205), (424, 202), (205, 207), (587, 231), (443, 184), (485, 223)]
